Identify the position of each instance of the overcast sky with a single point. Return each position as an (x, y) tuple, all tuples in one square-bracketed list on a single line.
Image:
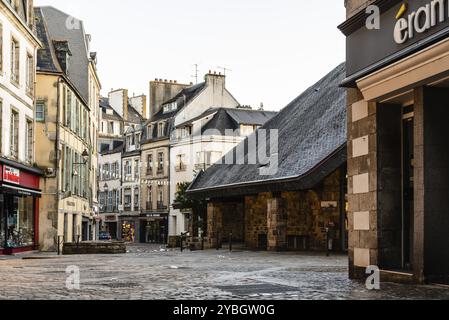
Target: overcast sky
[(275, 48)]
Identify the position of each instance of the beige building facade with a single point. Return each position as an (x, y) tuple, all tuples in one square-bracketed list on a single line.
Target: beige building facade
[(66, 133)]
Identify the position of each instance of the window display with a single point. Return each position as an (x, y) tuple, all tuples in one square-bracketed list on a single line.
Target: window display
[(19, 215), (128, 232)]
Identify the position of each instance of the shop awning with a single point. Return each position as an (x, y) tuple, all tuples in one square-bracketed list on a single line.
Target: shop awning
[(20, 191)]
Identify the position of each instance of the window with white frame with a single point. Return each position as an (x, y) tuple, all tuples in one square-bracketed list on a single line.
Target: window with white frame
[(29, 141), (160, 164), (15, 61), (14, 134), (30, 75), (40, 112)]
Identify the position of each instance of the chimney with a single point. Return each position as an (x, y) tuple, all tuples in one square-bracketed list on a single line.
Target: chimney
[(140, 104), (62, 54), (215, 80), (162, 91), (118, 100)]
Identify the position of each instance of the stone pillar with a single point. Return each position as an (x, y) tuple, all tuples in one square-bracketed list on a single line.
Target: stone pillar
[(214, 225), (362, 184), (277, 224)]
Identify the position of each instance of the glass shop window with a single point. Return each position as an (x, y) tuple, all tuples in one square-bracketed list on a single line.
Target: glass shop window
[(19, 222), (2, 224)]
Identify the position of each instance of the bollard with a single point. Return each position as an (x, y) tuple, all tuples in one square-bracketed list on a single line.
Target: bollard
[(59, 244), (230, 242), (218, 241), (202, 243), (327, 242), (182, 238)]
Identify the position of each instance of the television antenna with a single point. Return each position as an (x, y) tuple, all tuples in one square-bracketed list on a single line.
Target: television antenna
[(196, 73), (225, 69)]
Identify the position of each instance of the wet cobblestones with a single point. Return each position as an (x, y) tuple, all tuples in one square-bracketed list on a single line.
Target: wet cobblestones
[(148, 273)]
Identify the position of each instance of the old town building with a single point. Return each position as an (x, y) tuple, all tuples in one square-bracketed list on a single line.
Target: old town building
[(110, 188), (66, 130), (110, 141), (155, 169), (119, 162), (301, 202), (190, 142), (19, 177), (398, 150)]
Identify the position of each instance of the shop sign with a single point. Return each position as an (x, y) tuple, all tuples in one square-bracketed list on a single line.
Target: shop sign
[(111, 218), (419, 21), (11, 175), (404, 28)]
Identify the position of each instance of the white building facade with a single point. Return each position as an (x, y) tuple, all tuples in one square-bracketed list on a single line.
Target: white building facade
[(18, 47), (185, 142), (19, 179)]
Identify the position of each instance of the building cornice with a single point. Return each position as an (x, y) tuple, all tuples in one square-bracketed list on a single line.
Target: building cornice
[(358, 20)]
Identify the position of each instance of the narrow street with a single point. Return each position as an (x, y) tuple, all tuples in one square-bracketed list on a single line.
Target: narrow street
[(150, 272)]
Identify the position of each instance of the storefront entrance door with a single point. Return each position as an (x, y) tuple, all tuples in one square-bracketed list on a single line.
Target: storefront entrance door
[(407, 190), (152, 232)]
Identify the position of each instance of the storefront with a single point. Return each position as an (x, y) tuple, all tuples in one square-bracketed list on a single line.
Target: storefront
[(128, 230), (110, 224), (398, 159), (153, 228), (19, 203)]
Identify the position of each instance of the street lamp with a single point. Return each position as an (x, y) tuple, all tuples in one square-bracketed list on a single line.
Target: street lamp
[(85, 156)]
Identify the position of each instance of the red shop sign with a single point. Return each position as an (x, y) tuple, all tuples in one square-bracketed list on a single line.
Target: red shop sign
[(11, 175)]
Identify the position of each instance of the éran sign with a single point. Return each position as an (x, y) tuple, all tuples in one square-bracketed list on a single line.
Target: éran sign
[(405, 27), (421, 20)]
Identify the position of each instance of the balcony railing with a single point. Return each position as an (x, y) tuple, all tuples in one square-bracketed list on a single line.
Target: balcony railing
[(181, 167), (161, 205)]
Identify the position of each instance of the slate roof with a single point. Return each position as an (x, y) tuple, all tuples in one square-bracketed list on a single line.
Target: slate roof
[(227, 118), (46, 59), (183, 97), (104, 105), (188, 93), (312, 143), (134, 116), (55, 22), (233, 118), (118, 149)]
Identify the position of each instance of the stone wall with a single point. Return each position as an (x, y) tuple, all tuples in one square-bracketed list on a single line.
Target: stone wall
[(287, 221), (94, 248), (256, 231)]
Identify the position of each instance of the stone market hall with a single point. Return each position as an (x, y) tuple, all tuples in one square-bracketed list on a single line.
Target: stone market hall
[(303, 203)]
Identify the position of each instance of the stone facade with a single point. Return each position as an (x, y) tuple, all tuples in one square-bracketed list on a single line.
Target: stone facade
[(362, 179), (291, 220)]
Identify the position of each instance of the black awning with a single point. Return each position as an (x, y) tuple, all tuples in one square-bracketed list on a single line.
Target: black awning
[(19, 191)]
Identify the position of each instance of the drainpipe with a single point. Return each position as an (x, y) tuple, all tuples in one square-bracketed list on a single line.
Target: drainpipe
[(343, 181), (58, 114)]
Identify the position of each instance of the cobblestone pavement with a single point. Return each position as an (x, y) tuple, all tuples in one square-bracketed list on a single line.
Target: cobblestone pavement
[(150, 272)]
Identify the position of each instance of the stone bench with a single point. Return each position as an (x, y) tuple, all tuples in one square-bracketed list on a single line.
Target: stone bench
[(107, 247)]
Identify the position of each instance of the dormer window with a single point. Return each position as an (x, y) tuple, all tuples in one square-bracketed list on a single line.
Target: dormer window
[(150, 131), (62, 54), (170, 107), (160, 129)]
